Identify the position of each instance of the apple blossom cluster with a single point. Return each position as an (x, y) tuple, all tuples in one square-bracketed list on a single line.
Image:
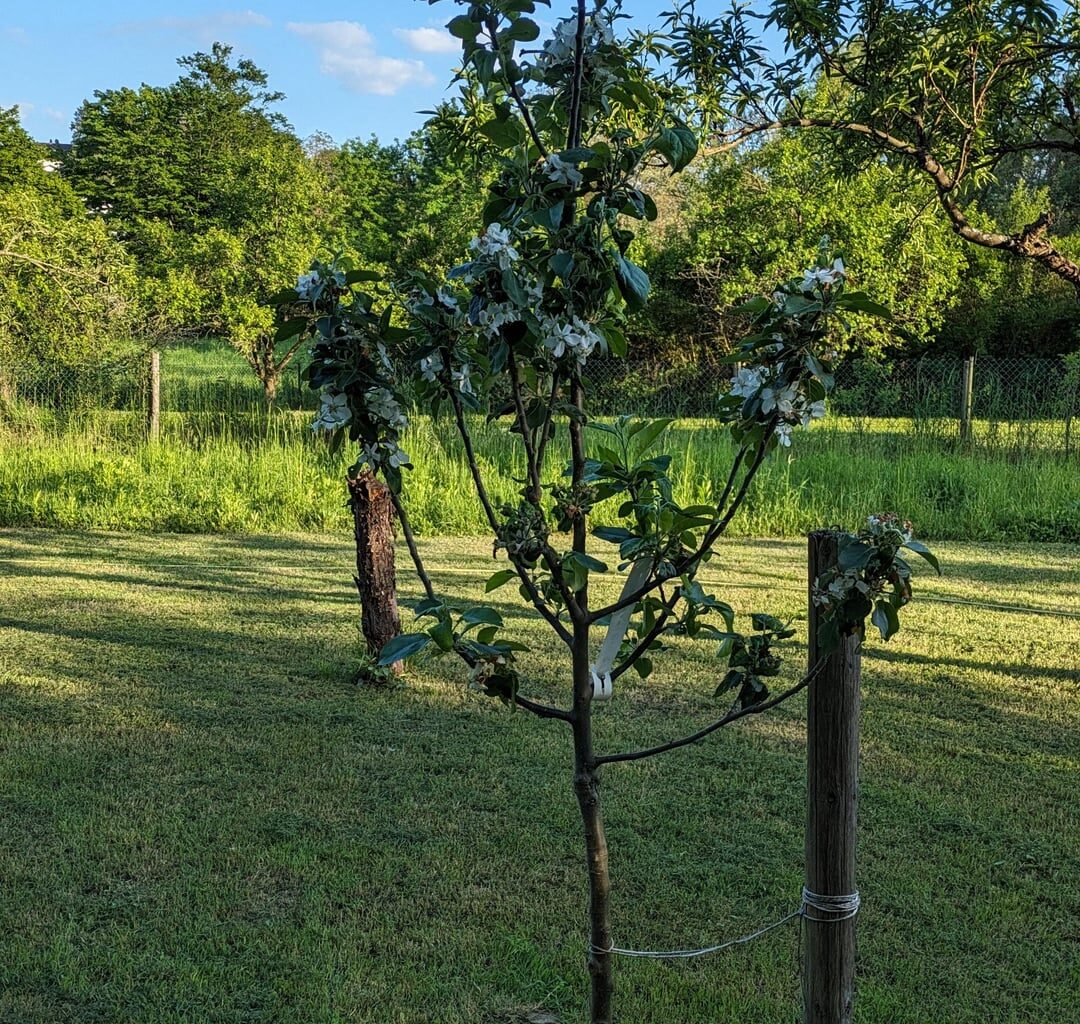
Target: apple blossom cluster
[(783, 399), (560, 47), (562, 334), (495, 241), (888, 528), (573, 337), (307, 285), (824, 277), (382, 453)]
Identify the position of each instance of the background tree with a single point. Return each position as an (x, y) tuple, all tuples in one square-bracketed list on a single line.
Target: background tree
[(209, 188), (413, 204), (69, 293), (950, 90), (745, 218)]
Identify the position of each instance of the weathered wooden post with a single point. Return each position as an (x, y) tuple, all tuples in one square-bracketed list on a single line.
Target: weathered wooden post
[(967, 396), (373, 527), (832, 770), (153, 400)]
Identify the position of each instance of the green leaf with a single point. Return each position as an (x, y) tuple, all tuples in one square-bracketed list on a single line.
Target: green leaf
[(485, 616), (615, 339), (521, 31), (856, 554), (886, 619), (615, 534), (586, 561), (502, 577), (359, 276), (291, 329), (649, 433), (443, 635), (463, 27), (859, 302), (402, 647), (730, 681), (633, 283), (921, 549), (828, 635), (505, 134)]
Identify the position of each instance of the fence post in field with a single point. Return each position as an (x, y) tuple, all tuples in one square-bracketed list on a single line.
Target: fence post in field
[(832, 768), (153, 400), (967, 396)]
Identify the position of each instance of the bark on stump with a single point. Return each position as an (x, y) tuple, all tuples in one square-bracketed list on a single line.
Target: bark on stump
[(373, 525)]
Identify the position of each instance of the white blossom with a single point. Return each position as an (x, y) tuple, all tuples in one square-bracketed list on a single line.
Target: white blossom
[(783, 434), (560, 47), (334, 412), (562, 171), (383, 453), (431, 366), (573, 336), (496, 241), (746, 382), (780, 400), (494, 316), (814, 277), (381, 405), (462, 380), (306, 285)]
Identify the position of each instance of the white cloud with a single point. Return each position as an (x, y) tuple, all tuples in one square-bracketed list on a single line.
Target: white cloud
[(348, 53), (205, 27), (429, 40)]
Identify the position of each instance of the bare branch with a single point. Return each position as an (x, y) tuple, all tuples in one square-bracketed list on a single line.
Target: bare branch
[(732, 716)]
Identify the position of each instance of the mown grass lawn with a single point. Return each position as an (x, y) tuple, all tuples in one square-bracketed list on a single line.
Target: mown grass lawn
[(202, 820)]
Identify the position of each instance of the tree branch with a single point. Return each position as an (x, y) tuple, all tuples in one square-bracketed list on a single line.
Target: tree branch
[(515, 93), (732, 716)]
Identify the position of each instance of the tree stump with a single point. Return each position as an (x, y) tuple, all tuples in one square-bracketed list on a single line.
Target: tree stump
[(373, 524)]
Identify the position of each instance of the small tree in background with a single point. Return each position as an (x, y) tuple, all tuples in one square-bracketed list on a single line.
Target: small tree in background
[(509, 333)]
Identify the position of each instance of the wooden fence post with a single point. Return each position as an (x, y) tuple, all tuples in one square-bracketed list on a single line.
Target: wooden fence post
[(153, 402), (832, 771), (967, 396)]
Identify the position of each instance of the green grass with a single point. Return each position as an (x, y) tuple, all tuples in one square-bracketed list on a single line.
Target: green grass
[(266, 472), (204, 821)]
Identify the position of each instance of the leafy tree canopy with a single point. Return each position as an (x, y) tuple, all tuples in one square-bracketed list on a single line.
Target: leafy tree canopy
[(951, 90)]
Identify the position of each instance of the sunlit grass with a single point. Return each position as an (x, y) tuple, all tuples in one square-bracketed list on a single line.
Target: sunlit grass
[(264, 470), (203, 820)]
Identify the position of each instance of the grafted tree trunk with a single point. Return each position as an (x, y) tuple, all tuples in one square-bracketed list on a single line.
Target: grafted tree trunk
[(373, 524)]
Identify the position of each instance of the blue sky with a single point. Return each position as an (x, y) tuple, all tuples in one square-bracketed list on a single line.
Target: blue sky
[(353, 69)]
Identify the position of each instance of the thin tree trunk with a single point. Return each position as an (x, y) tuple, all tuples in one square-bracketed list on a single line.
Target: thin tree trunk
[(587, 790), (270, 385), (373, 525)]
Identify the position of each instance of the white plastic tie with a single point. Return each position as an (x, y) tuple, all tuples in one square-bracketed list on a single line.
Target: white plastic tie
[(601, 685), (600, 670)]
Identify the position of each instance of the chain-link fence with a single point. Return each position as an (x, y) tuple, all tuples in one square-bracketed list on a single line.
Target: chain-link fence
[(1009, 401)]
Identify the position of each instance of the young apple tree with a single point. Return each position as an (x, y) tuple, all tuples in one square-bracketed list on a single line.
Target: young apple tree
[(510, 334)]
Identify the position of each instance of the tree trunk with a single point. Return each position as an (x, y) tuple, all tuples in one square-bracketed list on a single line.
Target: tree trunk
[(587, 791), (373, 524), (270, 383)]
